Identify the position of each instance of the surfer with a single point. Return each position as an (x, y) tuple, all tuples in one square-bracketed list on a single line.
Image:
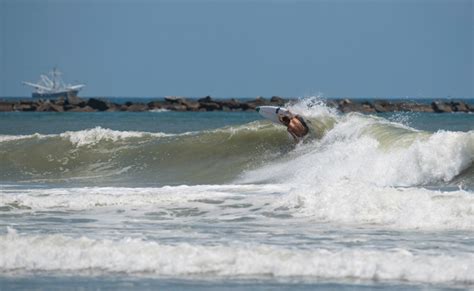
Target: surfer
[(295, 125)]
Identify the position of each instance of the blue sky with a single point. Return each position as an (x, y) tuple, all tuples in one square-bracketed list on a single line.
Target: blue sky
[(361, 48)]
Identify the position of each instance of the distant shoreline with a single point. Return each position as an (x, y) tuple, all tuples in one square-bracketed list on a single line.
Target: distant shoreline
[(112, 104), (131, 98)]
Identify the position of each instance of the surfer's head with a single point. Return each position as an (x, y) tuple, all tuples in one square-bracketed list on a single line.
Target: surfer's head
[(285, 120)]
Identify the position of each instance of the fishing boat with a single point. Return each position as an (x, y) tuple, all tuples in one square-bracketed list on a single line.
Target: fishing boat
[(51, 86)]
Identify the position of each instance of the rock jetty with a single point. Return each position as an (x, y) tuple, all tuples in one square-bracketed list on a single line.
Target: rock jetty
[(76, 104)]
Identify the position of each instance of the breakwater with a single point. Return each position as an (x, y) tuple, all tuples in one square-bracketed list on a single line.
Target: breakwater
[(76, 104)]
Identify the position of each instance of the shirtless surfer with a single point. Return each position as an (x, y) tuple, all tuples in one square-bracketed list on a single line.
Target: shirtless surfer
[(295, 125)]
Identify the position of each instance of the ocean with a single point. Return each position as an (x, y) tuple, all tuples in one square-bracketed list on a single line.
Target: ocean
[(227, 201)]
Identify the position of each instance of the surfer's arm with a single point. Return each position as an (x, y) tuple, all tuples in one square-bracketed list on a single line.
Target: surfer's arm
[(293, 135)]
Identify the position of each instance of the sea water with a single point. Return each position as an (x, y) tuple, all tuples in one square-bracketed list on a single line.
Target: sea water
[(227, 200)]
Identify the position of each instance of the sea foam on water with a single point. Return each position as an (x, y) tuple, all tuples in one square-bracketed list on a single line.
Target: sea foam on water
[(60, 253), (362, 198)]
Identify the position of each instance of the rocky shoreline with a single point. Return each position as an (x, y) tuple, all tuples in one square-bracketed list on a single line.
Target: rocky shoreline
[(76, 104)]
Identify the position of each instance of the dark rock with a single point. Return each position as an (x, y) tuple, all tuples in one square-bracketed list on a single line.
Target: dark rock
[(347, 106), (347, 109), (249, 106), (178, 107), (57, 108), (231, 104), (440, 107), (113, 107), (367, 108), (260, 101), (86, 108), (61, 102), (253, 104), (415, 107), (331, 103), (206, 99), (209, 106), (154, 105), (190, 105), (25, 106), (49, 107), (43, 107), (75, 104), (68, 107), (459, 106), (381, 106), (345, 102), (75, 101), (97, 104), (245, 106), (6, 106), (422, 108), (137, 107), (277, 101), (182, 104)]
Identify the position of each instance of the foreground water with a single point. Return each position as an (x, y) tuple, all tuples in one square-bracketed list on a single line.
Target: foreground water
[(227, 201)]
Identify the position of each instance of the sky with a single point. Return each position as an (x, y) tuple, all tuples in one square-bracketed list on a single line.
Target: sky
[(351, 48)]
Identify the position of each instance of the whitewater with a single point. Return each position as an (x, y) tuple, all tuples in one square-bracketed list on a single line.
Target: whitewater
[(173, 200)]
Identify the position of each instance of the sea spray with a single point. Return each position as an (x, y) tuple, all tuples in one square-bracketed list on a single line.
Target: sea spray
[(373, 151)]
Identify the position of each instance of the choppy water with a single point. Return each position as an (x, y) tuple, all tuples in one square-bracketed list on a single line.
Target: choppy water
[(226, 200)]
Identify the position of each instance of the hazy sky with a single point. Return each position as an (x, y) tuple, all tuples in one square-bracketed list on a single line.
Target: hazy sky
[(418, 48)]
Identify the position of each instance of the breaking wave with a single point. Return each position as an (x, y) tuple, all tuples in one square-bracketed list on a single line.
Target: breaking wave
[(135, 256), (374, 151), (353, 147)]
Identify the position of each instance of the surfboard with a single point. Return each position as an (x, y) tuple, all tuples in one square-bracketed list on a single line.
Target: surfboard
[(273, 113)]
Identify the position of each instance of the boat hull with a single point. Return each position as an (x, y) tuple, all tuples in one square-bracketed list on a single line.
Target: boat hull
[(56, 95)]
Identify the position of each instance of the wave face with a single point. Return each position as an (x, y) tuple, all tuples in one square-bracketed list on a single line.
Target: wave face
[(354, 147), (101, 155)]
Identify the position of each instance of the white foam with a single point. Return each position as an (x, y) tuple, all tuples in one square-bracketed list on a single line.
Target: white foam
[(88, 136), (312, 107), (401, 208), (7, 138), (158, 110), (94, 197), (354, 174), (97, 134), (343, 202), (356, 150), (60, 253)]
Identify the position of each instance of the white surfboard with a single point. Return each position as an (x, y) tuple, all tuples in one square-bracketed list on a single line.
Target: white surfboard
[(273, 113)]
